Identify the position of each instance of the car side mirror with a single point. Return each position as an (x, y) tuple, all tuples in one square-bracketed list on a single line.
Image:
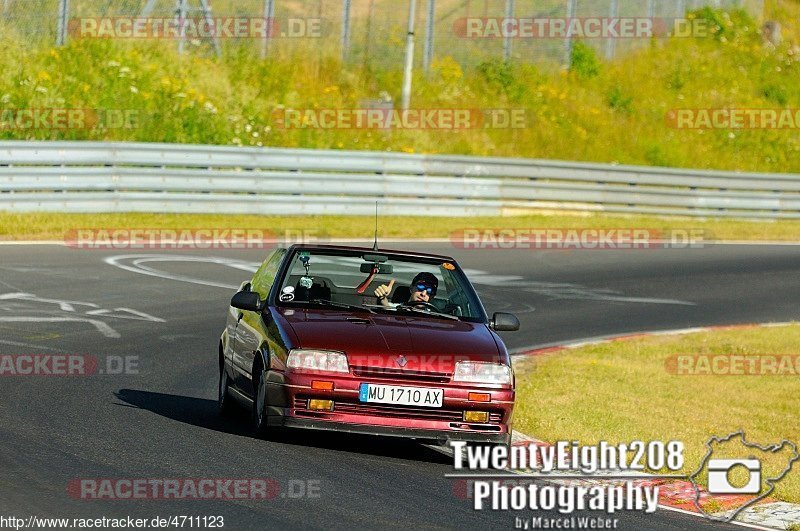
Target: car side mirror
[(504, 322), (248, 301)]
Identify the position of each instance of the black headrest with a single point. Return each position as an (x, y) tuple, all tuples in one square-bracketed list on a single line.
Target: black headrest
[(401, 294)]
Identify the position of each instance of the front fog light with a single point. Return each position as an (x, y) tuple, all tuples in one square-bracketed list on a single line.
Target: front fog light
[(320, 405), (481, 417)]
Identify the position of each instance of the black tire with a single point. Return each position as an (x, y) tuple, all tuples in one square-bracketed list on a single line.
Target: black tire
[(259, 415), (224, 401)]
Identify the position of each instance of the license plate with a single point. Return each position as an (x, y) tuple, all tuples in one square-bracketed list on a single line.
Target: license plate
[(405, 396)]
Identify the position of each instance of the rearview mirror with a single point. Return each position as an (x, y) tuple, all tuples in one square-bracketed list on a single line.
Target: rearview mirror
[(383, 269), (248, 301), (504, 322)]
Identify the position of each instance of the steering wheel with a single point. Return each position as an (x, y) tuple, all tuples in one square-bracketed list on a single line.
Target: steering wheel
[(426, 305)]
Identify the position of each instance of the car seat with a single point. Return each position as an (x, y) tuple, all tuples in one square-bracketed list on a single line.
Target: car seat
[(401, 295)]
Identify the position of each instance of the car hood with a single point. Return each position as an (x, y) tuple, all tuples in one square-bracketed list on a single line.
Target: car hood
[(426, 344)]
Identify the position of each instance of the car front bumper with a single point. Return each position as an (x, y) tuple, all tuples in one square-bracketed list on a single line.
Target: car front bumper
[(438, 436), (289, 394)]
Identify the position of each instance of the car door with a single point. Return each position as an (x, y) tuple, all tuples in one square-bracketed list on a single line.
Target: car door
[(231, 326), (250, 330)]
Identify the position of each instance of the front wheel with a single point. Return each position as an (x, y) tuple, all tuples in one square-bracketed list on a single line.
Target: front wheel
[(224, 405), (260, 404)]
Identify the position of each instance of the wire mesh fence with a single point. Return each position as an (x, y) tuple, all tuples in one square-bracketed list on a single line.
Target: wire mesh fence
[(371, 33)]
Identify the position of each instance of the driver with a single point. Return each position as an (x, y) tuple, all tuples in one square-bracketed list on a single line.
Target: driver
[(423, 289)]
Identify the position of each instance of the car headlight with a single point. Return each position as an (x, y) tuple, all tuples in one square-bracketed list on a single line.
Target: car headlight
[(317, 360), (482, 372)]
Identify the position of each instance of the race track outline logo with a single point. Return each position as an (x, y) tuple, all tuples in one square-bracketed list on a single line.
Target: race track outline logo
[(718, 469)]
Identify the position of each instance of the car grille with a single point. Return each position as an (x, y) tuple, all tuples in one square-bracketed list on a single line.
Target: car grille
[(388, 410), (400, 374)]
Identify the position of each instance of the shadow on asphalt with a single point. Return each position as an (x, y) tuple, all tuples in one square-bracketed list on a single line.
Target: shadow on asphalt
[(202, 412)]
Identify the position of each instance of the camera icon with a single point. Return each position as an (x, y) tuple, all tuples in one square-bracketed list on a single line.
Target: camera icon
[(719, 483)]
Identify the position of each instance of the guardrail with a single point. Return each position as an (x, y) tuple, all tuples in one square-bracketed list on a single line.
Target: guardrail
[(134, 177)]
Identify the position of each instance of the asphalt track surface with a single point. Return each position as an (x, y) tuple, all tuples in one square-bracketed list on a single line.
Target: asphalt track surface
[(162, 422)]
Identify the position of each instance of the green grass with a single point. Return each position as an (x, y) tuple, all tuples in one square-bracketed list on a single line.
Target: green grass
[(53, 226), (621, 391), (603, 112)]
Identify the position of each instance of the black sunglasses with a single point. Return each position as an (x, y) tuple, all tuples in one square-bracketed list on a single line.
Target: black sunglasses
[(425, 287)]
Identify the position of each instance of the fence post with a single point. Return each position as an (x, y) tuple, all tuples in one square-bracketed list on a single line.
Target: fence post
[(269, 15), (507, 42), (611, 44), (571, 8), (206, 7), (368, 36), (409, 66), (180, 14), (429, 29), (345, 29), (63, 21)]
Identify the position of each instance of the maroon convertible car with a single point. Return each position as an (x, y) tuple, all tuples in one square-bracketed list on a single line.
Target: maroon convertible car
[(310, 344)]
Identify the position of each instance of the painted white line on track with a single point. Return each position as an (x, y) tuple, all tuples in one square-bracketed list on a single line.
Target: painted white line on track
[(101, 327), (138, 261), (32, 346)]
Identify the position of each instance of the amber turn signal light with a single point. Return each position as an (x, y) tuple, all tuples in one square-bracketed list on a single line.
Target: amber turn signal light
[(479, 397)]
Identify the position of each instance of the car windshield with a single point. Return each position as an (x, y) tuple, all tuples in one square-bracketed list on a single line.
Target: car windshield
[(344, 279)]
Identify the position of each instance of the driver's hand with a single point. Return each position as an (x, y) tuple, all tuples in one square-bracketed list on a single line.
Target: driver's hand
[(383, 291)]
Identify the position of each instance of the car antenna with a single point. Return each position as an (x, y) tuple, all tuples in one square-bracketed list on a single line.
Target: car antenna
[(375, 244)]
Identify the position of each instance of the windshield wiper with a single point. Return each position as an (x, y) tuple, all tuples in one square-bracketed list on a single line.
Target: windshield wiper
[(325, 302), (412, 309)]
